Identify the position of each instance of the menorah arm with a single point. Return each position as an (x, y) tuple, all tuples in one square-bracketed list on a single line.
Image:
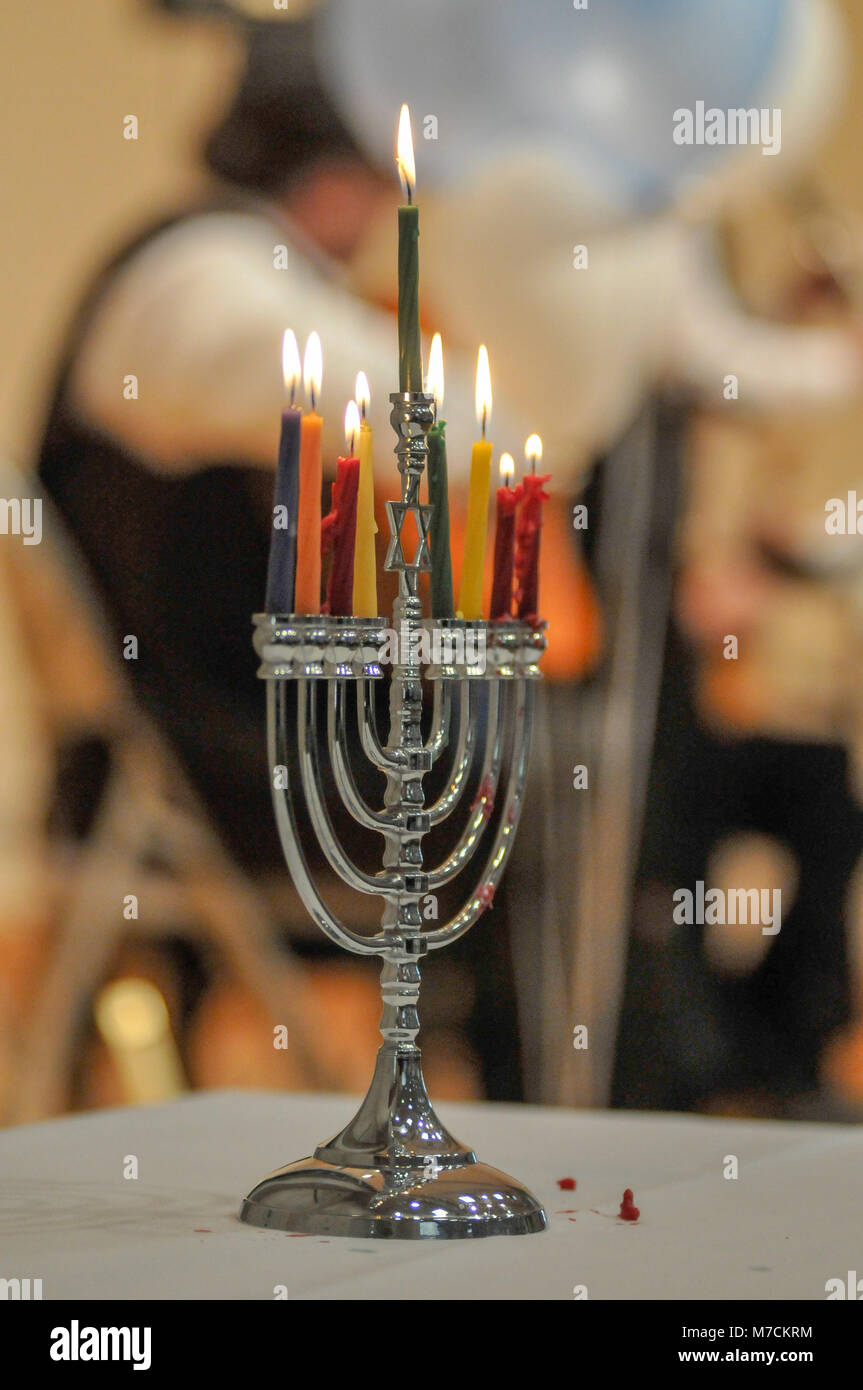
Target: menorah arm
[(462, 759), (496, 862), (383, 883), (290, 838), (441, 719), (484, 805), (384, 759), (337, 739)]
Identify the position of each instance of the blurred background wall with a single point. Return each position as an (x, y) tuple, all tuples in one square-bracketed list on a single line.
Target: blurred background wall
[(79, 186)]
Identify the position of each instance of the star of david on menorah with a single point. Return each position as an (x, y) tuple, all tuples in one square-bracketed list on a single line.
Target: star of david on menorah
[(395, 1170)]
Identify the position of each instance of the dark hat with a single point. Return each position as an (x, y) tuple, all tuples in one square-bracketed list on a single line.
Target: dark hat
[(281, 119)]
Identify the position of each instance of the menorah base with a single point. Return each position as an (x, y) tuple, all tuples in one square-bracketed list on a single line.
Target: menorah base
[(470, 1200)]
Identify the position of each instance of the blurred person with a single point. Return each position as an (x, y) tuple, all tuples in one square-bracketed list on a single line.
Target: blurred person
[(169, 495), (755, 779)]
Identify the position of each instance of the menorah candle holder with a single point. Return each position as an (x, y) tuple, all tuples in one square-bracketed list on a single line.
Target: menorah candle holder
[(395, 1170)]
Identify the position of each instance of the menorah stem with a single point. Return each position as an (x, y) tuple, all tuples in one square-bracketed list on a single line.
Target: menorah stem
[(400, 989), (404, 796), (411, 418), (396, 1129)]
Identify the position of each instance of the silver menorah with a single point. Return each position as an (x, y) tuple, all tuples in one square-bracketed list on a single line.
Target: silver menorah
[(395, 1170)]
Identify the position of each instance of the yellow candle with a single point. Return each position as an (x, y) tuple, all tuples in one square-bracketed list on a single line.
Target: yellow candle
[(365, 604), (473, 565), (307, 594)]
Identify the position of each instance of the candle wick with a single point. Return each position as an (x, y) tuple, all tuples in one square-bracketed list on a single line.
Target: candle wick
[(293, 389), (484, 418), (312, 395)]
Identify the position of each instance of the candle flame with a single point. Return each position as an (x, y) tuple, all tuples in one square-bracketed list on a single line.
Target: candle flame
[(352, 425), (405, 155), (483, 388), (434, 380), (362, 393), (507, 467), (290, 361), (533, 451), (313, 368)]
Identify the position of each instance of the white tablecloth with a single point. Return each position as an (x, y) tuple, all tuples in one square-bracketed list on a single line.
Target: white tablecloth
[(789, 1222)]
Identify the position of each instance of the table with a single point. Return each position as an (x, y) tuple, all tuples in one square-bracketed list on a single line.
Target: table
[(789, 1221)]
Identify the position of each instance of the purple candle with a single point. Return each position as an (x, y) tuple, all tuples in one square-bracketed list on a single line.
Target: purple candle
[(282, 568)]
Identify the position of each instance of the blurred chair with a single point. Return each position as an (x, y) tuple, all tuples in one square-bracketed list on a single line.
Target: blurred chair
[(150, 837)]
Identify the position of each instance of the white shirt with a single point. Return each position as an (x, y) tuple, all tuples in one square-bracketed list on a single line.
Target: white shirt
[(197, 316)]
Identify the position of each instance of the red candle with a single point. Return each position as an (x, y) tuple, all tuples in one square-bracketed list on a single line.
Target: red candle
[(527, 535), (339, 527), (504, 542)]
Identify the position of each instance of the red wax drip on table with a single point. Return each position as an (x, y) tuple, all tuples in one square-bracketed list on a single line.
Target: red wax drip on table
[(566, 1184), (527, 536), (628, 1211), (504, 545), (338, 536)]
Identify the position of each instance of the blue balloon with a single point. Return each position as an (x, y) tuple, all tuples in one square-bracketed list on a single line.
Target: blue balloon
[(594, 89)]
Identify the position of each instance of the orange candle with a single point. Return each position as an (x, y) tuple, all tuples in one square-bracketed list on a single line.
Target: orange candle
[(308, 587)]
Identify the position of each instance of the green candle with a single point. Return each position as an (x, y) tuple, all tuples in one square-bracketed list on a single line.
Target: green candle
[(441, 572), (438, 493), (410, 353)]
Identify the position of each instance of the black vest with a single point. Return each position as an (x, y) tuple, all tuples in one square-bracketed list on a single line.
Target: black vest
[(180, 563)]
